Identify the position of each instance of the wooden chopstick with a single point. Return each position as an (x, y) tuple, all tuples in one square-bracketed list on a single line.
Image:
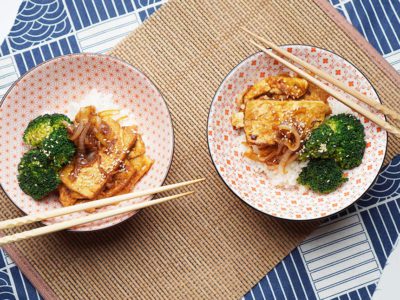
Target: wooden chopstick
[(382, 108), (92, 204), (366, 113), (86, 219)]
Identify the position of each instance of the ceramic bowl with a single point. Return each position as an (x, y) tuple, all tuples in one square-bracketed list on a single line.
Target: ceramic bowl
[(51, 87), (256, 188)]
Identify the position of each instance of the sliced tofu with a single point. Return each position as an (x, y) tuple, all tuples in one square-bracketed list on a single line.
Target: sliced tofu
[(141, 165), (263, 117), (134, 167), (291, 87), (118, 181), (68, 197), (91, 179), (238, 120), (314, 93), (140, 162), (138, 149)]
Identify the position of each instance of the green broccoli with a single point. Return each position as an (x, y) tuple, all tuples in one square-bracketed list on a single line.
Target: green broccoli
[(322, 176), (340, 137), (36, 175), (41, 127), (59, 121), (345, 123), (319, 145), (58, 147)]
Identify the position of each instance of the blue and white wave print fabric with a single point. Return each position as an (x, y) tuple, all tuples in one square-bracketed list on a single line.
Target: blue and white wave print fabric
[(342, 259), (39, 21), (13, 284), (45, 29)]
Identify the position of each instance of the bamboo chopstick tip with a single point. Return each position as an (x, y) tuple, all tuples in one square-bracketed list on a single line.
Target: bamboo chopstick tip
[(199, 180), (194, 181), (247, 30), (187, 193)]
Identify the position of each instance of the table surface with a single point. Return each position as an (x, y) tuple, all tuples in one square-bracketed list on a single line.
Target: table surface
[(98, 25)]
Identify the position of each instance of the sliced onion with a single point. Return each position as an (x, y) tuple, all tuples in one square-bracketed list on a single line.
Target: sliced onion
[(122, 118), (65, 123), (82, 137), (91, 156), (109, 112), (267, 154), (292, 159), (280, 148), (297, 139), (253, 156), (70, 127), (96, 121), (284, 160), (77, 132), (270, 156), (100, 137)]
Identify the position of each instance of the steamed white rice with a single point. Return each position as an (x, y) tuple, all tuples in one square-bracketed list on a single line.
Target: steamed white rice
[(286, 181), (275, 177), (102, 102)]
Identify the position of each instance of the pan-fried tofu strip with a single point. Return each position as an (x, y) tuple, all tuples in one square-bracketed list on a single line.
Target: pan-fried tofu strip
[(119, 181), (133, 169), (315, 93), (292, 87), (139, 162), (238, 120), (141, 165), (138, 149), (91, 179), (263, 118), (68, 197)]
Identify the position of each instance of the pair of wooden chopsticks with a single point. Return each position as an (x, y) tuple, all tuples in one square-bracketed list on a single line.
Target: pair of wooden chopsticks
[(363, 111), (89, 218)]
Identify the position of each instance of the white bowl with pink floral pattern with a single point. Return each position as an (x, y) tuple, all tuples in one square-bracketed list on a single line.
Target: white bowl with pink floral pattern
[(254, 187), (50, 87)]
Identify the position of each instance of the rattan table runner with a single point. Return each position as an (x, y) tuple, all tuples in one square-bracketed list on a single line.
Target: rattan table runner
[(212, 245)]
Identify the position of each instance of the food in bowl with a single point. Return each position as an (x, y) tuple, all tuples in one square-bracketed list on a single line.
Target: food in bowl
[(288, 127), (92, 157)]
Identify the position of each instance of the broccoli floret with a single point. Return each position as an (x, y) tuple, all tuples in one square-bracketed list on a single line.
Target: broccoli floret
[(38, 129), (58, 147), (344, 123), (340, 137), (36, 175), (58, 120), (319, 145), (348, 141), (41, 127), (322, 176)]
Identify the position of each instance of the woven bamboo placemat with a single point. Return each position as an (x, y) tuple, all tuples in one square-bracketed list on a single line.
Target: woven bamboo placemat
[(212, 245)]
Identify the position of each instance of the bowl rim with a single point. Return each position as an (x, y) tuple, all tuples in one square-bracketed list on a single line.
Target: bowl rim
[(102, 56), (231, 189)]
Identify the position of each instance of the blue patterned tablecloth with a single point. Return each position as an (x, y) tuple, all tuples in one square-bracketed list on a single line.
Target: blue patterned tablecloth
[(343, 259)]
